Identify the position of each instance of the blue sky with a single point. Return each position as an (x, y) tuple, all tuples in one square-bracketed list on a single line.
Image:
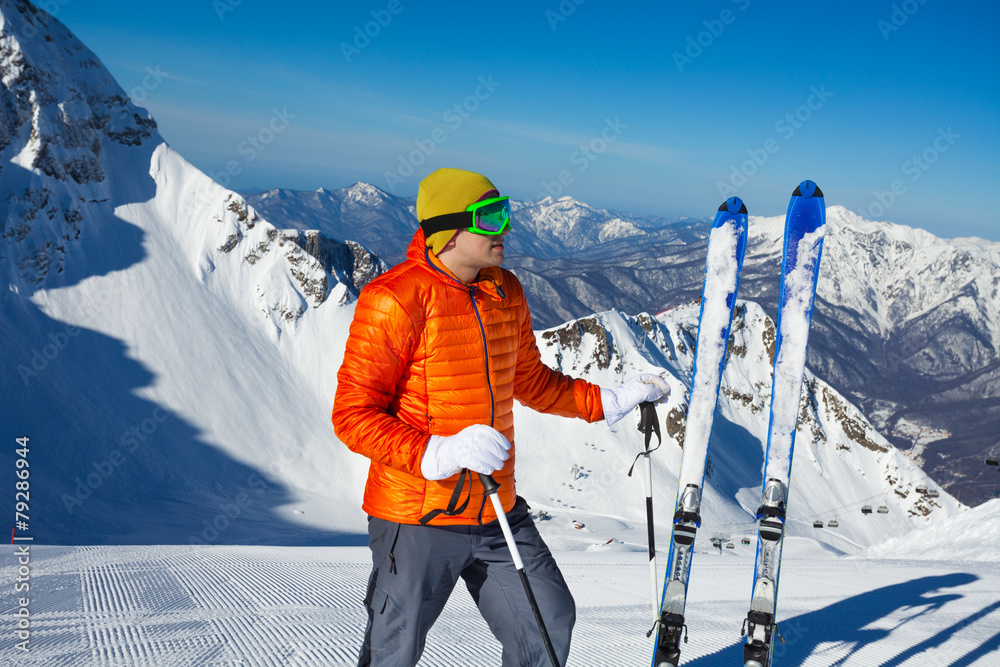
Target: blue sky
[(661, 108)]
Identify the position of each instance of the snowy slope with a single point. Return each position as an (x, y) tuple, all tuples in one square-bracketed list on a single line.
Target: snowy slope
[(973, 535)]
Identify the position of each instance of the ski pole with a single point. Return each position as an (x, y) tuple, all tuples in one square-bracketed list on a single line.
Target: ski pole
[(648, 424), (492, 486)]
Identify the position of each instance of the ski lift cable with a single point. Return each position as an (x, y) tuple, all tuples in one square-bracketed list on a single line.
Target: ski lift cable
[(834, 510)]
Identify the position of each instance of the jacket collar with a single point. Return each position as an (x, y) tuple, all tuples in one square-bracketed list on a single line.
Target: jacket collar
[(489, 280)]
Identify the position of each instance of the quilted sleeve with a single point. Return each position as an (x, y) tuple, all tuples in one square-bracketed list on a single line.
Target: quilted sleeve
[(541, 388), (380, 344)]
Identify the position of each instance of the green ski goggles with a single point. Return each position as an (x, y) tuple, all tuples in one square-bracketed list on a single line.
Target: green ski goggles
[(490, 217)]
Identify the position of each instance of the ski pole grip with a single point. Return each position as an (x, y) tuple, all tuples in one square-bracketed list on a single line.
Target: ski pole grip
[(490, 484), (647, 415)]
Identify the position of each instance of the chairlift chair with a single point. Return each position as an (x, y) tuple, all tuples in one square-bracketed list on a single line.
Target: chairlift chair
[(745, 541), (921, 489), (933, 493), (883, 509), (867, 509), (832, 524), (730, 545), (992, 460), (817, 524)]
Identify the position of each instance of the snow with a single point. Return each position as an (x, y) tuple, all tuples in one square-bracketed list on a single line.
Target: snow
[(165, 606), (794, 322), (973, 535), (721, 280)]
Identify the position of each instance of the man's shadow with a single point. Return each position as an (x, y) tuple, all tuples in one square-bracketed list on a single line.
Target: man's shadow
[(845, 624)]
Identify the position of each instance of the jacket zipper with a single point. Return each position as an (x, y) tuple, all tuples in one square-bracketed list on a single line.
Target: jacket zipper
[(482, 330), (486, 354)]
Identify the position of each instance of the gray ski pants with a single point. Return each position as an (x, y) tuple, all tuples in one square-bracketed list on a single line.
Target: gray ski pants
[(416, 567)]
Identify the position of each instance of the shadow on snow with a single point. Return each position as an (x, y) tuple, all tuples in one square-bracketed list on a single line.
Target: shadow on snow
[(846, 625), (107, 466)]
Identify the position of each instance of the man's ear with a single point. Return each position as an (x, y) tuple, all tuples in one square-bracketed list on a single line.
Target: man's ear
[(451, 242)]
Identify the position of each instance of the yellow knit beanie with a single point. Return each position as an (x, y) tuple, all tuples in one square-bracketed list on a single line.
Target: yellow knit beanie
[(450, 190)]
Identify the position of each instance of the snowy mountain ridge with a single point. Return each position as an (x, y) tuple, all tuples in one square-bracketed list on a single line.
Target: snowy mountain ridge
[(895, 274), (565, 224), (73, 157), (62, 119), (361, 212)]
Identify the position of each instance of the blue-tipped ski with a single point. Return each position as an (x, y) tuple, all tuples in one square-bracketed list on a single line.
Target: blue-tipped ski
[(727, 245), (805, 226)]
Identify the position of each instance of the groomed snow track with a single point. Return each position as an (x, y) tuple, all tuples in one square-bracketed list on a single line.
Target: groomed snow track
[(218, 606)]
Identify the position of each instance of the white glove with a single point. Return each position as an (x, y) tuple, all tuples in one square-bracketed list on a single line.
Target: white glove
[(479, 448), (621, 401)]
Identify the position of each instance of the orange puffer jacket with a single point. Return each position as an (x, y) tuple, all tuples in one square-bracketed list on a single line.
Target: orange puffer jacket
[(429, 355)]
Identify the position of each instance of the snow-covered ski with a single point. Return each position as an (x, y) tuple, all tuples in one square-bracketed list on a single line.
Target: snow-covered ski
[(805, 226), (726, 248)]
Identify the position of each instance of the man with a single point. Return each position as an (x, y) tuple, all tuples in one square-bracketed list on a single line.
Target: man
[(440, 347)]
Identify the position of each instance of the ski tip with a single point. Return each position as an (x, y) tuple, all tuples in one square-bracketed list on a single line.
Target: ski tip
[(807, 189), (733, 205)]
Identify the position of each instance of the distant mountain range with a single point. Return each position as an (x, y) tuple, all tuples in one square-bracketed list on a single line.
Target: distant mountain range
[(907, 325)]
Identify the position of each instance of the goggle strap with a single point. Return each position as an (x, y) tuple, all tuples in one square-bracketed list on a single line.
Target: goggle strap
[(440, 223)]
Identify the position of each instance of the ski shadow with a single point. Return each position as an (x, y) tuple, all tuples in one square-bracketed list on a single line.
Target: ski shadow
[(846, 624), (990, 645), (107, 465)]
